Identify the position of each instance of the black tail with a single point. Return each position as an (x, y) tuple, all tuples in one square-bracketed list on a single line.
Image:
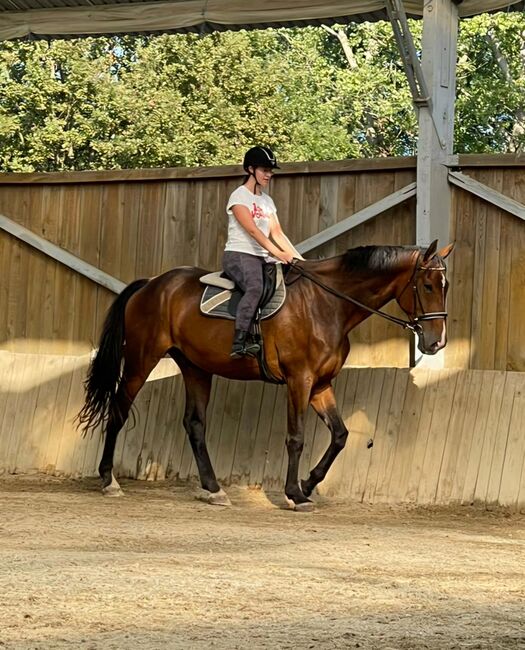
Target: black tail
[(105, 371)]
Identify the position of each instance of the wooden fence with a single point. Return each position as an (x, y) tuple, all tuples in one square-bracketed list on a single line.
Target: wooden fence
[(440, 436), (139, 224), (487, 294)]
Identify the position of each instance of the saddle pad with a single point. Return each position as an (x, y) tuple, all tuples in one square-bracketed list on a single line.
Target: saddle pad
[(215, 301)]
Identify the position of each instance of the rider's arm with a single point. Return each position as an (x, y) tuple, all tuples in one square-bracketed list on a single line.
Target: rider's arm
[(278, 236), (244, 217)]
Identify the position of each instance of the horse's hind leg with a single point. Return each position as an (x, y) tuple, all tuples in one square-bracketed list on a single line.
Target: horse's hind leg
[(324, 405), (132, 381), (198, 387)]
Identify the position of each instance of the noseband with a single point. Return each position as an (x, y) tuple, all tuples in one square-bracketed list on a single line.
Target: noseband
[(413, 324)]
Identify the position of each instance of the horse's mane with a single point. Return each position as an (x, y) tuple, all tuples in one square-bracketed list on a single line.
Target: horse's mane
[(377, 258)]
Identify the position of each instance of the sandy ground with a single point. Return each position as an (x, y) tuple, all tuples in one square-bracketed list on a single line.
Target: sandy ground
[(159, 569)]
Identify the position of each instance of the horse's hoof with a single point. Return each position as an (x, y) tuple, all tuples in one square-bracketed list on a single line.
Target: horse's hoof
[(219, 498), (112, 491), (305, 506)]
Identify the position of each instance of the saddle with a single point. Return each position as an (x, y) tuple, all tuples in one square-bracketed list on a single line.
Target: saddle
[(221, 297)]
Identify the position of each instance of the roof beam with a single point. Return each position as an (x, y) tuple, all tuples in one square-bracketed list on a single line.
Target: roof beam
[(201, 16)]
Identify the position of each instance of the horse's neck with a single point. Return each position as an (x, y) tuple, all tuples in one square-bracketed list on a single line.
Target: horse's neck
[(373, 287)]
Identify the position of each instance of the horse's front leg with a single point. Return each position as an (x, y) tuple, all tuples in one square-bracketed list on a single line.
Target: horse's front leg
[(298, 398), (324, 405)]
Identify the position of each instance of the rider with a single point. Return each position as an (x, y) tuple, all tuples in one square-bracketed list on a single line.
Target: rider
[(255, 237)]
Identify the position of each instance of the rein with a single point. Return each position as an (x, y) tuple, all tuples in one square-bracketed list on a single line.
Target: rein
[(412, 324)]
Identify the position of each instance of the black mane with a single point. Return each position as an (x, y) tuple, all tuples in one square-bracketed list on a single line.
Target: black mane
[(377, 258)]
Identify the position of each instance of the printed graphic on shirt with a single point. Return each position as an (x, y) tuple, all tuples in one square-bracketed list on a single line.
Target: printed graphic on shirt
[(258, 213)]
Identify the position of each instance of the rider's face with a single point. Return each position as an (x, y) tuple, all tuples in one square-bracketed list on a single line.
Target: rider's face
[(263, 175)]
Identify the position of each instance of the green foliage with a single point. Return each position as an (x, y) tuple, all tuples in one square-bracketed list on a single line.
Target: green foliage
[(490, 103), (128, 102)]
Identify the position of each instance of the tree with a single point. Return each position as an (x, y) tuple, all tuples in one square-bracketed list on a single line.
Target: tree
[(491, 84), (311, 94)]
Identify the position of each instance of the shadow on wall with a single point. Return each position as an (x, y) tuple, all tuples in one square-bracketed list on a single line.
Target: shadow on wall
[(40, 395), (440, 436)]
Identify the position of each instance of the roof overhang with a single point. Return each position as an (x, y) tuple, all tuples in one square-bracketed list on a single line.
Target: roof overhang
[(78, 18)]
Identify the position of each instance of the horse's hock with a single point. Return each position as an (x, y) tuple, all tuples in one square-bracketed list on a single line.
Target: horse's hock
[(449, 435)]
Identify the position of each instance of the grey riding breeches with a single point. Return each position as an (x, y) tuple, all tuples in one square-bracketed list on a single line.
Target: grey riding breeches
[(247, 272)]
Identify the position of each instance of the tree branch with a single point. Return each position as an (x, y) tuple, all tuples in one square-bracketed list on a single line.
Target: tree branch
[(518, 128), (347, 48), (498, 55)]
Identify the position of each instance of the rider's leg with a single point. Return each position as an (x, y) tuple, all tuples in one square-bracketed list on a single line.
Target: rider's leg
[(247, 272)]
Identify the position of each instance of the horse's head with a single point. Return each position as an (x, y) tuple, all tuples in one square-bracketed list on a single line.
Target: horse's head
[(423, 298)]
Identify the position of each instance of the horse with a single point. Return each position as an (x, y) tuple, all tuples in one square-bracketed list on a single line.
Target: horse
[(306, 344)]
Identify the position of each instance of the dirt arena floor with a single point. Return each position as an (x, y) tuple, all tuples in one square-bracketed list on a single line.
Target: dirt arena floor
[(159, 569)]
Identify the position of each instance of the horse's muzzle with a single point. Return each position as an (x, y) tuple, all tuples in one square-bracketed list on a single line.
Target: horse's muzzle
[(430, 348)]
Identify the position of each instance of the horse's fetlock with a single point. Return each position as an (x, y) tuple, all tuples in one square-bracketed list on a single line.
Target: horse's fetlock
[(307, 488)]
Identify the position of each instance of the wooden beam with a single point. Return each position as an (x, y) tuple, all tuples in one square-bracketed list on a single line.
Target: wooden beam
[(358, 218), (440, 27), (487, 193), (61, 255), (489, 160)]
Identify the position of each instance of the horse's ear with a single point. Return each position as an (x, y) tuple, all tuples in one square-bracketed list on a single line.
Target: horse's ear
[(445, 252), (430, 252)]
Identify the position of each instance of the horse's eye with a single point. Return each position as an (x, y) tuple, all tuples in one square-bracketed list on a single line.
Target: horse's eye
[(428, 287)]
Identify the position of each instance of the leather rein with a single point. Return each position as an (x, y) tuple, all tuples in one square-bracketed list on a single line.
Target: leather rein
[(413, 324)]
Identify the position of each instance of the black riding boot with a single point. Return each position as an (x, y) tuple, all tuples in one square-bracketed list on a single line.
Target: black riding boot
[(242, 347)]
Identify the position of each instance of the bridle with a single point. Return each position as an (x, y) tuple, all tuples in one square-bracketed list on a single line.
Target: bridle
[(413, 324)]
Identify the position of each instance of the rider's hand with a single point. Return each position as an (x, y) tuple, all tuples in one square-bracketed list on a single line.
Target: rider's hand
[(287, 258)]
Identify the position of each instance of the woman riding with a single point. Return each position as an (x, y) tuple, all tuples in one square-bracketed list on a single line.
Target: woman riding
[(255, 237)]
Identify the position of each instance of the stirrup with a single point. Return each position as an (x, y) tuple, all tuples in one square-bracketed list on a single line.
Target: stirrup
[(252, 348), (238, 351)]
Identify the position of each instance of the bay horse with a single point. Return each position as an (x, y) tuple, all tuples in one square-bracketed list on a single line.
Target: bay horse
[(306, 344)]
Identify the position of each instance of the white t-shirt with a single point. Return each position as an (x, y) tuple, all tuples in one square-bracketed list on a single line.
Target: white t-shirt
[(262, 208)]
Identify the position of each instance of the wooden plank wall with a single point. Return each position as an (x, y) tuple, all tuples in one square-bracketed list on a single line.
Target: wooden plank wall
[(140, 224), (136, 224), (487, 271), (440, 436)]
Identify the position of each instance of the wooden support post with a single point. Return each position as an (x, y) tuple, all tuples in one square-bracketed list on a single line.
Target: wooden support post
[(436, 137), (436, 133)]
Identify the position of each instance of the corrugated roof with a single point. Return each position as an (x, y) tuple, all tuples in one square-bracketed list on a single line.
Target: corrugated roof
[(74, 18)]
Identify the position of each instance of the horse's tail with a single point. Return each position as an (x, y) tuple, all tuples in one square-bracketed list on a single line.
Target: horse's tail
[(105, 370)]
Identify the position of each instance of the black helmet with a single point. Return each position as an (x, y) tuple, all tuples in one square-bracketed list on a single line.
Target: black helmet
[(259, 157)]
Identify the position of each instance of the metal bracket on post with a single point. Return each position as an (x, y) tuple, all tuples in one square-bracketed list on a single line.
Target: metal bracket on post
[(416, 79)]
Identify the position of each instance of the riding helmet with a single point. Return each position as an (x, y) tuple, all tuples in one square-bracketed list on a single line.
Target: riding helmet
[(259, 157)]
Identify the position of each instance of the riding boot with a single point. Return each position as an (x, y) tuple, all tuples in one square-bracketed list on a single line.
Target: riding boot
[(243, 345)]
